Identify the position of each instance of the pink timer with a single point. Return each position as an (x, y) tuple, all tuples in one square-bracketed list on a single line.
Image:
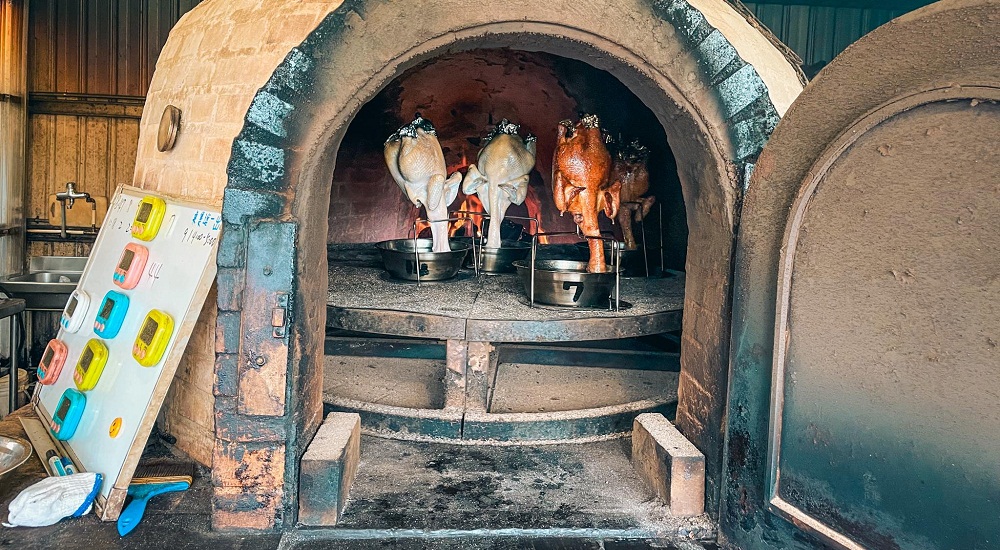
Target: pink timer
[(130, 266)]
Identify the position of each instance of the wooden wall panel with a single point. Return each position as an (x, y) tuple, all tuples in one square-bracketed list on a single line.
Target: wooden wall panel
[(97, 153), (86, 55), (98, 47)]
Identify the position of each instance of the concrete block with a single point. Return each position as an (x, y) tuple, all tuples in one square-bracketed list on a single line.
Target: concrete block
[(670, 464), (328, 468)]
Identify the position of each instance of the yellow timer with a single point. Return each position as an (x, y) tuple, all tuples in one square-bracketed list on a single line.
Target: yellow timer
[(90, 365), (153, 337), (148, 218)]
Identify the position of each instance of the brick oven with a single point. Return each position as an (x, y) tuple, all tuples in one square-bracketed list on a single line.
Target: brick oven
[(280, 103)]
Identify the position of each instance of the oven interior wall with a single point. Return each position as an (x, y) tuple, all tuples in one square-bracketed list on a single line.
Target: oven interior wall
[(464, 94)]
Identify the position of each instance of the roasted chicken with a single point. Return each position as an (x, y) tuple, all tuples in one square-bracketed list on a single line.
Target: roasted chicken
[(582, 182)]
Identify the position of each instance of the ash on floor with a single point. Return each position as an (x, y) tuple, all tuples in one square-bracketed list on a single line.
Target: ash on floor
[(403, 485)]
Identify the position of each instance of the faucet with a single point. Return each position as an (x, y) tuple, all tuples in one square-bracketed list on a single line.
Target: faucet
[(69, 196)]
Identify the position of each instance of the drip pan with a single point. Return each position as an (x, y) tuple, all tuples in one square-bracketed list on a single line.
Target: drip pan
[(13, 452), (501, 260), (567, 283), (401, 262)]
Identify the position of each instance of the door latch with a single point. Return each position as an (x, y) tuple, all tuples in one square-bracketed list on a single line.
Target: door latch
[(279, 316)]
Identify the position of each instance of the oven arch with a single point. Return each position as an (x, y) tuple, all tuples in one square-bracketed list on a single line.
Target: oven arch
[(717, 109)]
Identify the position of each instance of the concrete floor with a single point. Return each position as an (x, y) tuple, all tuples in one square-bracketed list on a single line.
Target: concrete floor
[(413, 495)]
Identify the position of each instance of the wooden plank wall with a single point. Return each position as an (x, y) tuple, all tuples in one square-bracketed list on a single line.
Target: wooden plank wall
[(89, 67)]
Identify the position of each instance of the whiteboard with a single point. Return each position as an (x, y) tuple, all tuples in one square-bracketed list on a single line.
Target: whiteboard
[(178, 272)]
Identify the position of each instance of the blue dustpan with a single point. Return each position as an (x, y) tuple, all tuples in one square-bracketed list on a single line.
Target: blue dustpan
[(132, 514)]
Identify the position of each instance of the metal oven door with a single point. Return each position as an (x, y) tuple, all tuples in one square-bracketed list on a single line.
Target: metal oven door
[(864, 400)]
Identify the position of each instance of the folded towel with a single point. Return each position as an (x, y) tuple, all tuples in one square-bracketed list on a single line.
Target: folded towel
[(54, 498)]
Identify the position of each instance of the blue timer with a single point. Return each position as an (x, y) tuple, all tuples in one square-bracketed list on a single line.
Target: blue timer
[(111, 314), (68, 414)]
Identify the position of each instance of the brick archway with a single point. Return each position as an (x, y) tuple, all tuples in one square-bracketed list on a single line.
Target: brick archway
[(715, 83)]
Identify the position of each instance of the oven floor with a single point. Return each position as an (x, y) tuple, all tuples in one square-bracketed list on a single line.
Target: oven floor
[(519, 387), (573, 488), (411, 496)]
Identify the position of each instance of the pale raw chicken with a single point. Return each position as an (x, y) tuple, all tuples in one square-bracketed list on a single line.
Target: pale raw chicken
[(416, 162), (500, 177)]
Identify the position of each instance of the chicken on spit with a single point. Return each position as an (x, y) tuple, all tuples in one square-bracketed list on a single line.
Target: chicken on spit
[(582, 183), (501, 177), (416, 162), (629, 167)]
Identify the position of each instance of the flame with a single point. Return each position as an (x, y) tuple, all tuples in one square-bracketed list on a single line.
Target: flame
[(471, 203), (534, 206)]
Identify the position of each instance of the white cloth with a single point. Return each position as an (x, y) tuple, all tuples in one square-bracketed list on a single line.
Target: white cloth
[(53, 499)]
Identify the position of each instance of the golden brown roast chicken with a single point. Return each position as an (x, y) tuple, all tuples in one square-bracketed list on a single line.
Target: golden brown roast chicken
[(629, 167), (582, 182)]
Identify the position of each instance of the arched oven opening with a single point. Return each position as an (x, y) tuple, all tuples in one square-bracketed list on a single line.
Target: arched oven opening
[(466, 95), (302, 189), (481, 367)]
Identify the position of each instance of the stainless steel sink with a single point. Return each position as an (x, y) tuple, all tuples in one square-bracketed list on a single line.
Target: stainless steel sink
[(48, 283), (47, 277)]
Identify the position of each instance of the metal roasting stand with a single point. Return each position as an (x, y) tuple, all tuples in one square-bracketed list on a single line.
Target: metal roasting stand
[(616, 247), (416, 251), (479, 337)]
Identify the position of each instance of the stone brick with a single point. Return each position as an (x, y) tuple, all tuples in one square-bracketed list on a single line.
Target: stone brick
[(260, 466), (232, 426), (670, 464), (289, 27), (328, 468), (240, 509), (201, 108), (194, 403), (230, 284), (217, 148), (242, 204), (227, 332), (226, 375), (232, 246)]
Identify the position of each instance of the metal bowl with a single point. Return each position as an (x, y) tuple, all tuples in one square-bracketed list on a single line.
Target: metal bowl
[(501, 260), (400, 261), (567, 283), (13, 452)]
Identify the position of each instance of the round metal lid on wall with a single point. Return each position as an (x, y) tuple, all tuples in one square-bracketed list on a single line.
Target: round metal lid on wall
[(170, 123)]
